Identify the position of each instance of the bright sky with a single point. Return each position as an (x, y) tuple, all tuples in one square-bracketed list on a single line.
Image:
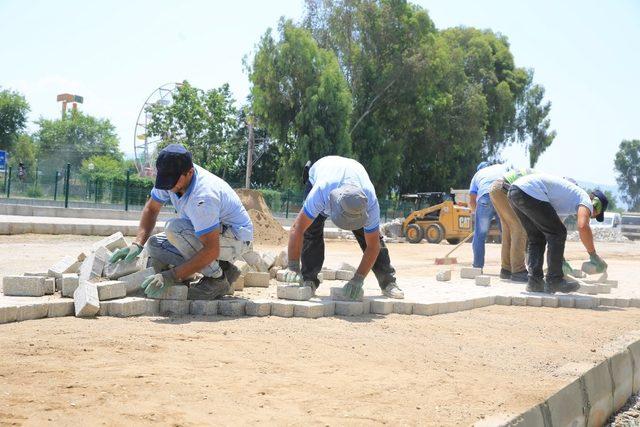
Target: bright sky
[(584, 52)]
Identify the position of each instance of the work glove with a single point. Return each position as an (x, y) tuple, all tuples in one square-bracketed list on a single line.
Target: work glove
[(155, 285), (566, 268), (292, 273), (597, 262), (353, 288), (128, 253)]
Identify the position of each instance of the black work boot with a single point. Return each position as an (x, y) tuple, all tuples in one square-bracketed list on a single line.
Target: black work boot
[(520, 276), (230, 271), (561, 285), (505, 274), (209, 288), (535, 284)]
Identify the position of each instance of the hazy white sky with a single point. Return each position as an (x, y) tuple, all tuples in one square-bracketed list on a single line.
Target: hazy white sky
[(585, 53)]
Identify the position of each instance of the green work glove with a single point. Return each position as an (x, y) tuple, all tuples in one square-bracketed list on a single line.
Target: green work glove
[(292, 273), (128, 253), (598, 262), (353, 288), (155, 285), (566, 268)]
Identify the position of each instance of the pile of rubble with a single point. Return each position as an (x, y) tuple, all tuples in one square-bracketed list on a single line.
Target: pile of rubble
[(392, 229), (600, 235)]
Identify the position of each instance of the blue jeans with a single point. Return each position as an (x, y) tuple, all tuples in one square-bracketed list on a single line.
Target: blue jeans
[(179, 243), (484, 212)]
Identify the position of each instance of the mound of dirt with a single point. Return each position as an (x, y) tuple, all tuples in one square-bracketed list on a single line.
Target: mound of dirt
[(266, 229)]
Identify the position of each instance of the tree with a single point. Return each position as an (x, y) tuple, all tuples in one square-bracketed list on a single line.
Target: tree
[(74, 138), (204, 121), (627, 164), (301, 97), (24, 151), (13, 117)]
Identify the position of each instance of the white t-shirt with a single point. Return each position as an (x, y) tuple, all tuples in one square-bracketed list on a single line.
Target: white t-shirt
[(208, 203), (564, 196), (331, 172)]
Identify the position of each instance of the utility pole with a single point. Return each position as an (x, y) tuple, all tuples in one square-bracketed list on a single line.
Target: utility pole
[(247, 181)]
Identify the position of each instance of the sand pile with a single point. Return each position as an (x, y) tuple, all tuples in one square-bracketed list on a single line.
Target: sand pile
[(266, 229)]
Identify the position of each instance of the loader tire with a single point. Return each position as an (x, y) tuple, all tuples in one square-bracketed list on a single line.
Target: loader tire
[(414, 233), (434, 233)]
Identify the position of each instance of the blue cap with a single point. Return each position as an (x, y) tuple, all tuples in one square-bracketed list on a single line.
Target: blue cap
[(174, 160), (482, 165)]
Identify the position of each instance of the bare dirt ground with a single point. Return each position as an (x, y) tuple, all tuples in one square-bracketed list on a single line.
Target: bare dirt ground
[(452, 369)]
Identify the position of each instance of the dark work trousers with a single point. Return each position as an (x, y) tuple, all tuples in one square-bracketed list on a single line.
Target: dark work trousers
[(543, 226), (313, 252)]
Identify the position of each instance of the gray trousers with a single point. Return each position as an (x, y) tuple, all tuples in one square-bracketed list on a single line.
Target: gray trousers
[(179, 243)]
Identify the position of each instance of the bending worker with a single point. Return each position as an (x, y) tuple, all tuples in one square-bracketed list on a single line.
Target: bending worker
[(480, 203), (539, 200), (211, 231), (340, 189)]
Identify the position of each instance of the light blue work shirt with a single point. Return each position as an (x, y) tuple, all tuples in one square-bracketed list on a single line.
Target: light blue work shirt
[(482, 180), (564, 196), (208, 203), (331, 172)]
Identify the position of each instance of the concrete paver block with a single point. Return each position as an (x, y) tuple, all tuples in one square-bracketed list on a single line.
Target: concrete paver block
[(549, 301), (269, 259), (93, 265), (599, 387), (348, 308), (534, 301), (480, 302), (470, 272), (381, 305), (634, 302), (446, 307), (256, 280), (152, 306), (204, 308), (308, 309), (483, 280), (520, 300), (85, 299), (23, 286), (329, 307), (69, 284), (65, 265), (566, 301), (60, 308), (295, 292), (258, 308), (634, 350), (49, 286), (622, 302), (344, 274), (328, 274), (173, 307), (282, 259), (133, 281), (282, 309), (443, 275), (423, 309), (112, 243), (568, 407), (238, 285), (33, 311), (622, 373), (254, 259), (111, 289), (125, 307), (231, 307), (58, 285), (586, 302), (531, 418), (503, 300), (8, 314), (120, 268), (608, 301), (273, 272), (589, 289), (347, 267), (176, 292), (280, 275), (36, 274), (403, 307), (337, 295)]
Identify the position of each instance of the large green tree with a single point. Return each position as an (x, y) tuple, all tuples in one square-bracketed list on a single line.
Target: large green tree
[(13, 117), (301, 97), (204, 121), (72, 139), (627, 164)]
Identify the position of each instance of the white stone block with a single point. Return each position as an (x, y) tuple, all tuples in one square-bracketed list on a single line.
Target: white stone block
[(204, 307), (586, 302), (254, 259), (381, 305), (33, 311), (470, 272), (282, 309), (69, 284), (121, 268), (344, 274), (443, 276), (260, 308), (231, 307), (484, 301), (403, 307), (338, 295), (423, 309), (599, 387), (174, 307), (347, 308), (238, 285), (534, 301), (622, 374), (348, 267), (256, 280), (65, 265), (177, 292), (503, 300), (622, 302), (550, 301), (483, 280), (273, 272), (49, 285), (133, 281), (125, 307), (60, 308), (520, 300), (24, 286), (566, 301), (8, 314), (329, 307), (85, 299), (280, 275), (294, 292), (112, 243), (269, 259), (308, 309), (328, 274), (282, 260), (567, 406), (93, 265), (111, 289)]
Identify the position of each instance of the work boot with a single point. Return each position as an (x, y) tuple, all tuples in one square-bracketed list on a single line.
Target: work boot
[(231, 272), (520, 276), (561, 285), (535, 284), (311, 284), (505, 274), (209, 288), (393, 291)]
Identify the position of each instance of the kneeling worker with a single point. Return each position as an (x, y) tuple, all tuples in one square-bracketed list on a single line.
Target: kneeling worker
[(211, 231), (540, 200), (340, 189)]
